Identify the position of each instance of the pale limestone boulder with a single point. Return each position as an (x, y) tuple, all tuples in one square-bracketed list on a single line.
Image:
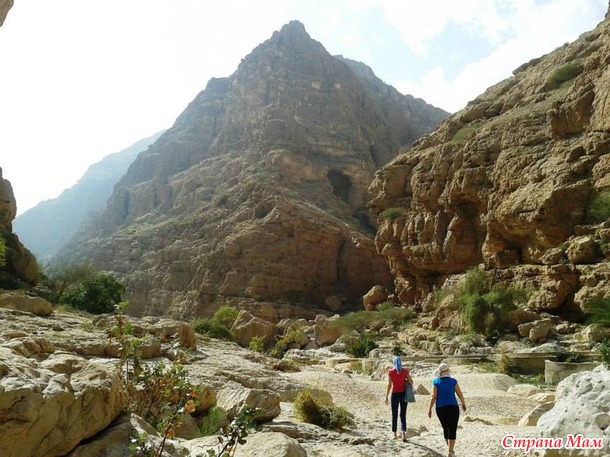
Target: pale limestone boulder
[(270, 444), (595, 333), (333, 303), (524, 390), (532, 417), (21, 302), (537, 330), (543, 397), (375, 296), (581, 250), (582, 407), (5, 5), (246, 327), (323, 332), (234, 399), (47, 408)]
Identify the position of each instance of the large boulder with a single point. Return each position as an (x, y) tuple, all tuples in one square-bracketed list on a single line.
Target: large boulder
[(21, 302), (246, 327), (234, 399), (270, 444), (323, 332), (582, 407), (48, 407)]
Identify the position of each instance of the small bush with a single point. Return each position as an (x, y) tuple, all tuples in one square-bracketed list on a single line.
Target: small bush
[(293, 336), (257, 343), (604, 353), (360, 321), (564, 74), (486, 308), (214, 419), (598, 311), (463, 134), (599, 207), (225, 315), (360, 345), (212, 329), (286, 366), (392, 213), (314, 409)]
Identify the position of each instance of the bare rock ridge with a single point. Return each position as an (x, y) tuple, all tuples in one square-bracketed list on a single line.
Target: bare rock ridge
[(259, 190), (19, 265), (516, 181)]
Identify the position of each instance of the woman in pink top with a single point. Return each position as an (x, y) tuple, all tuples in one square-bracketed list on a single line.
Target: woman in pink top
[(397, 377)]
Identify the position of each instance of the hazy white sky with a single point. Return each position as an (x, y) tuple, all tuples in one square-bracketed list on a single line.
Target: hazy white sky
[(81, 79)]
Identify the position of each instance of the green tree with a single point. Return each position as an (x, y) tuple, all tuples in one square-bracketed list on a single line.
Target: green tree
[(96, 295), (63, 276)]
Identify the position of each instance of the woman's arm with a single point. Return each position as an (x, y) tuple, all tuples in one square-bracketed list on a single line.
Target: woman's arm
[(432, 401), (458, 391), (409, 378), (387, 392)]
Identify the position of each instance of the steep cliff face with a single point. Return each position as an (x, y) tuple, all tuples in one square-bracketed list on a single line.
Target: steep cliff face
[(17, 264), (259, 189), (62, 216), (5, 5), (516, 181)]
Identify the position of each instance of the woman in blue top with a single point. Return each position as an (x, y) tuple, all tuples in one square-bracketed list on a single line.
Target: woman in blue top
[(445, 390)]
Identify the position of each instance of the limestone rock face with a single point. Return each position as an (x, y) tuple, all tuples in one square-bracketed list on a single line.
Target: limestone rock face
[(510, 182), (583, 402), (48, 407), (5, 5), (20, 264), (259, 190)]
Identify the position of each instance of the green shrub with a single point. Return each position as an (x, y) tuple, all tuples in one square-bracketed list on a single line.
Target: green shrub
[(486, 308), (315, 409), (61, 277), (225, 315), (257, 343), (360, 345), (604, 353), (96, 295), (212, 329), (293, 336), (392, 213), (598, 311), (360, 321), (287, 366), (463, 134), (214, 419), (564, 74), (599, 207)]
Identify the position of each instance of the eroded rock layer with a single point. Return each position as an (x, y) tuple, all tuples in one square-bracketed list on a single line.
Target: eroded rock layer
[(516, 181), (259, 190)]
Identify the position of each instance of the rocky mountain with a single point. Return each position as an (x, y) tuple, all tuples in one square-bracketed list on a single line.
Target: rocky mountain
[(62, 216), (18, 267), (259, 190), (518, 181)]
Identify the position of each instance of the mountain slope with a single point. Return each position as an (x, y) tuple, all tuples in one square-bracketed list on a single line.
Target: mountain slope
[(259, 189), (46, 227), (511, 182)]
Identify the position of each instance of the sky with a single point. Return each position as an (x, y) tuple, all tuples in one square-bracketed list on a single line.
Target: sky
[(82, 79)]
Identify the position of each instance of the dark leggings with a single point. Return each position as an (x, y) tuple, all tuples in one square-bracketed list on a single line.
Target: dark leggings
[(449, 416), (399, 399)]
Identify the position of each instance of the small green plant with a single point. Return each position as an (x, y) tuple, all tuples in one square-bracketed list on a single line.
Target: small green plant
[(564, 74), (392, 213), (599, 207), (360, 345), (215, 419), (360, 321), (287, 366), (218, 326), (293, 336), (235, 433), (463, 134), (257, 343), (604, 353), (598, 311), (397, 349), (317, 409)]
